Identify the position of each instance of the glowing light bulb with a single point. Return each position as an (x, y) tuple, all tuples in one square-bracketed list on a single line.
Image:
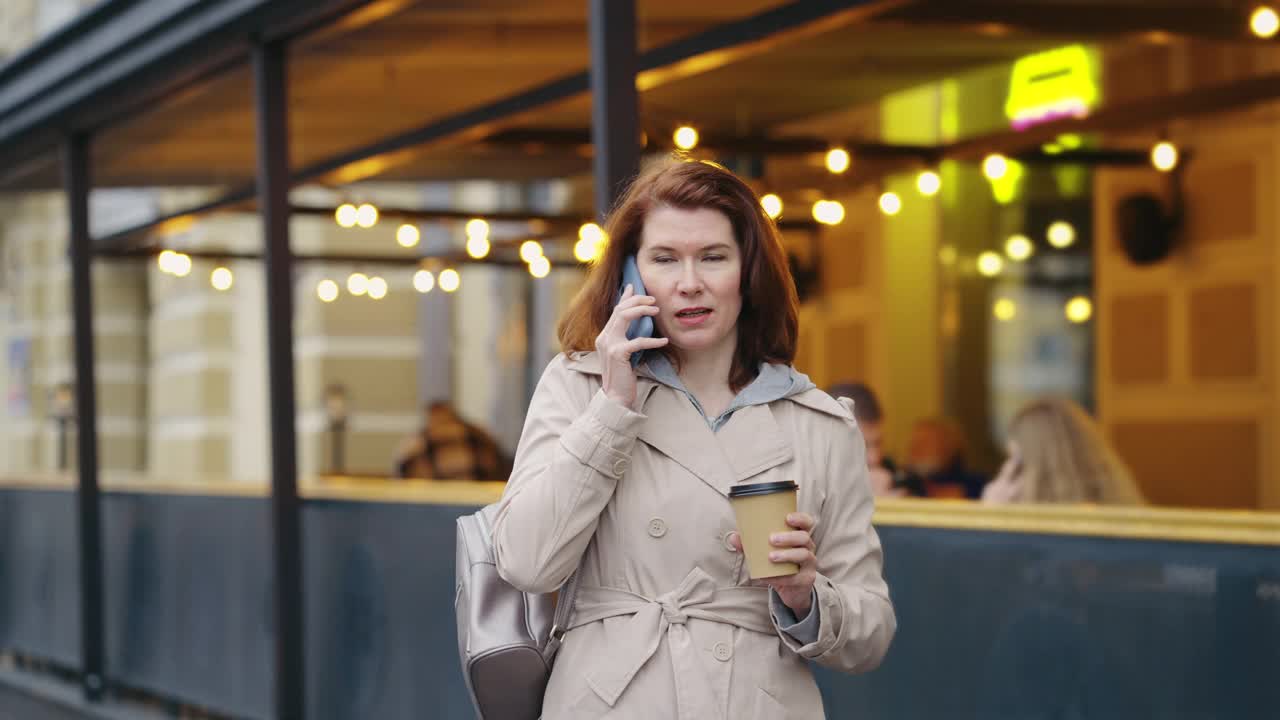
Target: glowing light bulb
[(530, 250), (408, 235), (685, 137), (182, 264), (1061, 234), (890, 203), (358, 284), (995, 166), (450, 280), (327, 290), (928, 183), (1018, 247), (366, 216), (1004, 309), (837, 160), (477, 246), (377, 288), (1164, 156), (828, 212), (423, 281), (1079, 309), (990, 264), (165, 261), (540, 267), (221, 279), (1264, 22), (345, 215), (772, 205)]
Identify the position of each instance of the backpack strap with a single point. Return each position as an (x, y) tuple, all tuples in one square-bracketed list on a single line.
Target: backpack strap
[(560, 621)]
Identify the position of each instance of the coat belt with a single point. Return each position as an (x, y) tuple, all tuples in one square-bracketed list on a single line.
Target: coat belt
[(651, 618)]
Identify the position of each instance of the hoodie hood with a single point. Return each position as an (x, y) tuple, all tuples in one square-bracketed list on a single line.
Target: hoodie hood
[(774, 382)]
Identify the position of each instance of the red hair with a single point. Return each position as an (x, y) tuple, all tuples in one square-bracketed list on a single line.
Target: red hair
[(769, 322)]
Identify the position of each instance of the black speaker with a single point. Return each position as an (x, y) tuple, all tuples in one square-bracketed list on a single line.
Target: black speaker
[(1146, 232)]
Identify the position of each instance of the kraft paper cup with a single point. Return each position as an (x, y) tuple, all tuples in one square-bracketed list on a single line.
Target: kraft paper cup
[(762, 509)]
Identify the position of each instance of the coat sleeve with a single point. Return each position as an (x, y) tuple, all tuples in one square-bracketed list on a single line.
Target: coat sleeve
[(856, 620), (575, 446)]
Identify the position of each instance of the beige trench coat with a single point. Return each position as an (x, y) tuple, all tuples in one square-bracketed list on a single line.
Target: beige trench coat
[(666, 624)]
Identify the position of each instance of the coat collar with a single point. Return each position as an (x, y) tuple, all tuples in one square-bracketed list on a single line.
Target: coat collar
[(750, 443)]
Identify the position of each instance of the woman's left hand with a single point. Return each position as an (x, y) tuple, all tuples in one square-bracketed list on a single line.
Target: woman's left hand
[(796, 546)]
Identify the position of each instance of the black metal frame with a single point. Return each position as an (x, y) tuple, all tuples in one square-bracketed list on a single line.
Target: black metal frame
[(271, 103), (615, 105), (76, 179)]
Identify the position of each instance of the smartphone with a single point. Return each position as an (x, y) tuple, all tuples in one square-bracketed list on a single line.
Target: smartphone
[(643, 325)]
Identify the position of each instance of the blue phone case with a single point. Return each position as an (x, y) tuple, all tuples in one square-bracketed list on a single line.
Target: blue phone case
[(643, 326)]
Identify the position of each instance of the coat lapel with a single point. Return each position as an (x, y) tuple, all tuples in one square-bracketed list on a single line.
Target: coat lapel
[(753, 442), (748, 444)]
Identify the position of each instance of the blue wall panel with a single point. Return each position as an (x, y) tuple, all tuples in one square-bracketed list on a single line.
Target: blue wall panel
[(991, 625)]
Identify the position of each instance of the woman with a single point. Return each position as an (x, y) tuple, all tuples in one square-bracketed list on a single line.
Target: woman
[(622, 474), (1057, 455)]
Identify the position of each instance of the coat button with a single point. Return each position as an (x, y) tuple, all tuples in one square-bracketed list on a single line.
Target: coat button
[(657, 527), (722, 651), (620, 467)]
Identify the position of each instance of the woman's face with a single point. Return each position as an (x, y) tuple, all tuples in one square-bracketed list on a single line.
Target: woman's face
[(691, 263)]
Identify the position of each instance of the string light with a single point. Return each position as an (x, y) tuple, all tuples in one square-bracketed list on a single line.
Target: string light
[(165, 261), (947, 255), (772, 205), (1264, 22), (1018, 247), (890, 203), (990, 264), (530, 250), (994, 166), (408, 235), (837, 160), (685, 137), (1079, 309), (478, 246), (221, 279), (540, 266), (1004, 309), (1061, 234), (423, 281), (181, 264), (327, 290), (377, 288), (358, 283), (346, 215), (928, 183), (450, 280), (1164, 156), (366, 216), (828, 212), (591, 242)]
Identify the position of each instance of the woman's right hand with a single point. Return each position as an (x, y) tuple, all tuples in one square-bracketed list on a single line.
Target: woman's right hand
[(615, 349)]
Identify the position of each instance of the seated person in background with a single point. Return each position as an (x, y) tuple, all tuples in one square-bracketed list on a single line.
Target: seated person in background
[(936, 454), (1057, 455), (870, 417), (450, 448)]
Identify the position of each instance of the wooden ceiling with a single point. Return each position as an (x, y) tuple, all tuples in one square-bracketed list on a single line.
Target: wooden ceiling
[(379, 74)]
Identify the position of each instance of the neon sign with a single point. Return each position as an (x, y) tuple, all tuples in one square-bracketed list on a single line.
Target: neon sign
[(1052, 85)]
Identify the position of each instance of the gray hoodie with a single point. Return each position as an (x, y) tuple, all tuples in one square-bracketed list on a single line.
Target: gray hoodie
[(773, 383)]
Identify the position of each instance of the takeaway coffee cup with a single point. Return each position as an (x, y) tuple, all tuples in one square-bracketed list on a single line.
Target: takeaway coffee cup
[(762, 509)]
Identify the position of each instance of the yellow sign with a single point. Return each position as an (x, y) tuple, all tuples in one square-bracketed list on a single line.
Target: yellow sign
[(1052, 85)]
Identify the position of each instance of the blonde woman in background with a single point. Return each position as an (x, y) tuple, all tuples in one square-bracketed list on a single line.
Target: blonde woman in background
[(1057, 455)]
